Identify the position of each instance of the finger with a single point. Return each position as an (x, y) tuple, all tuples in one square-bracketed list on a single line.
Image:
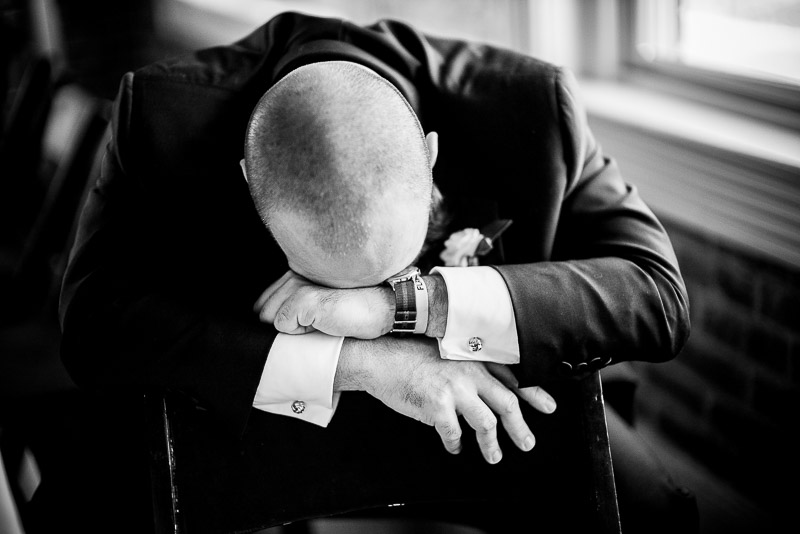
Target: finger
[(505, 404), (297, 331), (503, 374), (259, 304), (537, 397), (450, 432), (282, 304), (285, 318), (481, 418), (301, 307)]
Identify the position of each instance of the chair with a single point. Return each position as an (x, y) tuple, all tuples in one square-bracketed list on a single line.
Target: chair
[(21, 148), (78, 132), (36, 394), (205, 483)]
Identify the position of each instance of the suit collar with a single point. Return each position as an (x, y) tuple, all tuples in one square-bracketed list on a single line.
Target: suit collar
[(330, 50)]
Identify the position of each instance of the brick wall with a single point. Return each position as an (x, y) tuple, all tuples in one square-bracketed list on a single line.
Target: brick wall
[(731, 399)]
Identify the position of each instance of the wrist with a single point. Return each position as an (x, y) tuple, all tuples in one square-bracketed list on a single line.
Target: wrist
[(388, 310), (351, 373), (410, 302), (437, 305), (361, 363)]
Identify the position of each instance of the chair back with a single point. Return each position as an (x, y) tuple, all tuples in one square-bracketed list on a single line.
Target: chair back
[(80, 133), (494, 112), (284, 471)]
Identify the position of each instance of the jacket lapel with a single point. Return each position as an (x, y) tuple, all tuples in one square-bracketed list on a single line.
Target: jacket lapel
[(459, 212)]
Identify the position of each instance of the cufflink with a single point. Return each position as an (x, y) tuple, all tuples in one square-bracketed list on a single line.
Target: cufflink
[(298, 406), (475, 344)]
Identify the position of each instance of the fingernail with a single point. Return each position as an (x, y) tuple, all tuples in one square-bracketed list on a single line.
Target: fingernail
[(529, 443), (550, 404), (496, 456)]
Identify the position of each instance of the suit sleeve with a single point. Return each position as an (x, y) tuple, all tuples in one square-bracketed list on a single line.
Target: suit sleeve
[(613, 291), (126, 326)]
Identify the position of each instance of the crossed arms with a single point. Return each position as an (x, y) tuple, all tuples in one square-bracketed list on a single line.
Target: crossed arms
[(159, 292)]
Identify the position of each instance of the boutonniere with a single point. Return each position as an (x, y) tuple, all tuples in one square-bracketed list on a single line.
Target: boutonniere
[(463, 248)]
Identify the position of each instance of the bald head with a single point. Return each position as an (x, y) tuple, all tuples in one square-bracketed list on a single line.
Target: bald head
[(339, 170)]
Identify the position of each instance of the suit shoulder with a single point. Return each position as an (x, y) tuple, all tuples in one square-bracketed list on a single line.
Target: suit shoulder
[(232, 66)]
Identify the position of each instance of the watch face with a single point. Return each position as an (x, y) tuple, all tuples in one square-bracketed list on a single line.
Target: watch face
[(406, 274)]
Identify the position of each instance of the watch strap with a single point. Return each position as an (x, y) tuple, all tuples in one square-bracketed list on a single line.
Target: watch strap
[(405, 315), (421, 293)]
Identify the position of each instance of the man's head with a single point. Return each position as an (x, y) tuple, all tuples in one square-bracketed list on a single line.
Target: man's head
[(340, 172)]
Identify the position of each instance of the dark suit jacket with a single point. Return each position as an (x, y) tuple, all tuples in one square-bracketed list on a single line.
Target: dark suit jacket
[(170, 253)]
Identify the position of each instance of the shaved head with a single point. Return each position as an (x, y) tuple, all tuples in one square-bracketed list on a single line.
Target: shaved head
[(340, 172)]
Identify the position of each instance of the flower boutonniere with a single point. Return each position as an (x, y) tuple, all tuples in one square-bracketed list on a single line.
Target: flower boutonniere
[(460, 247), (463, 248)]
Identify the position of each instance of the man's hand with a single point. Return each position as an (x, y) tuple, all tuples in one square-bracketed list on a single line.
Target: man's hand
[(533, 395), (409, 376), (295, 305)]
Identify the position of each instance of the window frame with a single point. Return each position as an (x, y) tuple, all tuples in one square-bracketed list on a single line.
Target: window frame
[(770, 101), (732, 175)]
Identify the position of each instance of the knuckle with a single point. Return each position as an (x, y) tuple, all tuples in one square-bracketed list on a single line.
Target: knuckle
[(440, 400), (450, 432), (487, 424), (472, 369), (283, 317), (326, 298), (312, 303), (511, 404), (538, 395)]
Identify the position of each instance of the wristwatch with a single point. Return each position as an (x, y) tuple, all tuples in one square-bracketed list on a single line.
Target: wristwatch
[(411, 302)]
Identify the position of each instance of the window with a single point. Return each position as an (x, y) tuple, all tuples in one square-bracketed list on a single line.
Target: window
[(743, 48), (756, 39), (702, 112)]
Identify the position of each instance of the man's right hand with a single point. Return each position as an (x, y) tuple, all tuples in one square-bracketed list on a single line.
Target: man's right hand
[(408, 375)]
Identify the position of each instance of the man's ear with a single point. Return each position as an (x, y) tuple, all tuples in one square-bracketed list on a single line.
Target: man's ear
[(244, 171), (432, 140)]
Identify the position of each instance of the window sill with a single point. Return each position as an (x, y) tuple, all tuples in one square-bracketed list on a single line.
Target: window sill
[(724, 174)]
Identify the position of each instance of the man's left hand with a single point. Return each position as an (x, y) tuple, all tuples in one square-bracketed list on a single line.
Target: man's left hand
[(295, 305)]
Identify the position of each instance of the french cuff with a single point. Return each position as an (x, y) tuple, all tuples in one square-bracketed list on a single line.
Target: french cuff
[(480, 316), (297, 380)]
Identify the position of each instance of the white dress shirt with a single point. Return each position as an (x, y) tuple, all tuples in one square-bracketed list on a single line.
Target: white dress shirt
[(298, 377)]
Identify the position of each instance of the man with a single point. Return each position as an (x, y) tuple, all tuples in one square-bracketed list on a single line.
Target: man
[(171, 255), (340, 171)]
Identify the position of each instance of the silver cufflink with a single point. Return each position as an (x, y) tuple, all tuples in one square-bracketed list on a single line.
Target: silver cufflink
[(475, 344), (298, 406)]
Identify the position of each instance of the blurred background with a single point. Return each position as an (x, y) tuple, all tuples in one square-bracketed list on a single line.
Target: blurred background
[(697, 100)]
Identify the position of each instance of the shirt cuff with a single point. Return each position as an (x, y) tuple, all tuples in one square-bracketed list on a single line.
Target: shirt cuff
[(297, 380), (480, 316)]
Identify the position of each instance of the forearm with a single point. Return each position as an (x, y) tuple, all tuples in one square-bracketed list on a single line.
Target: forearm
[(591, 313), (363, 361), (132, 344), (437, 306), (126, 328), (351, 372)]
